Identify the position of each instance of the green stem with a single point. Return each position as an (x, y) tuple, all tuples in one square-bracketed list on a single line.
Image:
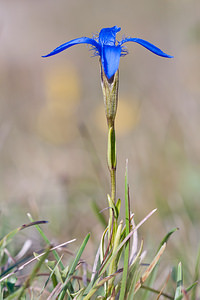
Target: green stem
[(110, 94), (113, 184), (111, 157)]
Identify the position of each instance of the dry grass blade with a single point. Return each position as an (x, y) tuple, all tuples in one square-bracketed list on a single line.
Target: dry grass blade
[(165, 295), (161, 291), (32, 224), (150, 268), (24, 250), (95, 265), (56, 291), (7, 276), (33, 259), (133, 251), (34, 272)]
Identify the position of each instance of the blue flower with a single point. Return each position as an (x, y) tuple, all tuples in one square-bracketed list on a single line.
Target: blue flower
[(108, 48)]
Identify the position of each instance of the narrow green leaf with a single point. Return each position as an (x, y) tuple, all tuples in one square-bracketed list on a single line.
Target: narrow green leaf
[(179, 282), (166, 238), (133, 274), (96, 269), (126, 255), (98, 213), (73, 267), (118, 207), (152, 278), (7, 237), (196, 276), (97, 286), (114, 263), (54, 276), (188, 289), (112, 223), (15, 295)]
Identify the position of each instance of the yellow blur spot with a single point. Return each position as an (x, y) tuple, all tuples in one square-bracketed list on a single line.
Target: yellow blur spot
[(128, 115), (57, 119), (62, 85)]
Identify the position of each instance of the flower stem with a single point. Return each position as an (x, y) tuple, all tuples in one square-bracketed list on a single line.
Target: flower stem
[(113, 184), (111, 157), (110, 93)]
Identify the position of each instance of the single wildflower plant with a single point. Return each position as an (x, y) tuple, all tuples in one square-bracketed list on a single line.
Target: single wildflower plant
[(117, 234), (108, 48)]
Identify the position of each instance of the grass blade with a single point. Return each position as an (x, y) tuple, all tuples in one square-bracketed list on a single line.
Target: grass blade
[(179, 282), (150, 268), (73, 267), (110, 258), (166, 238), (12, 233), (98, 285), (188, 289), (126, 239), (196, 276), (133, 274), (99, 214), (126, 255)]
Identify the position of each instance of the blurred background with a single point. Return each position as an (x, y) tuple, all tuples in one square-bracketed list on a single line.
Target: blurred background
[(53, 129)]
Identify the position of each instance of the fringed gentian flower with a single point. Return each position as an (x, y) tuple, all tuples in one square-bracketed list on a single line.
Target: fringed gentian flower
[(108, 48)]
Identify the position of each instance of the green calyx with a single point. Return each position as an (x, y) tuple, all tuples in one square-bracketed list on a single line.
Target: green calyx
[(110, 94)]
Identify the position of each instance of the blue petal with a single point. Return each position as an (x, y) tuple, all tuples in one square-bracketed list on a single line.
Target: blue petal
[(147, 45), (110, 57), (107, 36), (82, 40)]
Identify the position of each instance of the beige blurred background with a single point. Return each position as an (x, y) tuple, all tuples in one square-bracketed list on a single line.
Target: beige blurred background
[(53, 128)]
